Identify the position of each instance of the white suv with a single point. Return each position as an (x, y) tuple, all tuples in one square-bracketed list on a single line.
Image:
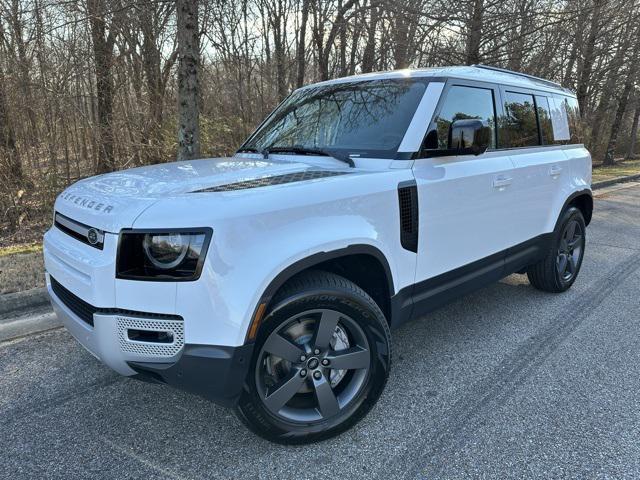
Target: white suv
[(269, 281)]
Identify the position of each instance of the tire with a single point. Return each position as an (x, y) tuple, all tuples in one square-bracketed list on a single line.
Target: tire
[(553, 274), (299, 399)]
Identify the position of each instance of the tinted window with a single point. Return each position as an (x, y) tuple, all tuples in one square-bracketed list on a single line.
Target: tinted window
[(544, 118), (462, 103), (575, 123), (358, 117), (519, 127), (559, 119)]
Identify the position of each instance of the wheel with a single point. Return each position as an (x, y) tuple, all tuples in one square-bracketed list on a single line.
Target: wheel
[(560, 268), (320, 362)]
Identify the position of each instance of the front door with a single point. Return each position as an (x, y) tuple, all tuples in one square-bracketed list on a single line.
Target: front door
[(465, 202)]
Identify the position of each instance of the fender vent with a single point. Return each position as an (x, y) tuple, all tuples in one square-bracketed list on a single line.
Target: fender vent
[(274, 180), (408, 201)]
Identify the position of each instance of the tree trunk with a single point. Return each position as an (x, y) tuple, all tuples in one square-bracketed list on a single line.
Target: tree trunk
[(188, 87), (588, 55), (634, 130), (301, 59), (103, 59), (343, 46), (10, 165), (401, 40), (474, 33), (369, 55), (622, 104), (151, 62)]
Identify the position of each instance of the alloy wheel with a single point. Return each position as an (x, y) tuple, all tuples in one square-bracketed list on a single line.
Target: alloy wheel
[(312, 366), (570, 250)]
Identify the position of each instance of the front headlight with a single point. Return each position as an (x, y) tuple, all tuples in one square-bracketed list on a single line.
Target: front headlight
[(162, 254)]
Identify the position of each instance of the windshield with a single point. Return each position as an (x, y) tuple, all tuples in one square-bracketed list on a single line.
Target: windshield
[(356, 118)]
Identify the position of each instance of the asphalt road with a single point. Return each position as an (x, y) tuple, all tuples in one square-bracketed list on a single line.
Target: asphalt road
[(508, 382)]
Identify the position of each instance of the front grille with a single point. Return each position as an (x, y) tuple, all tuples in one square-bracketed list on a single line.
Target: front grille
[(85, 310), (273, 180), (79, 307), (81, 232)]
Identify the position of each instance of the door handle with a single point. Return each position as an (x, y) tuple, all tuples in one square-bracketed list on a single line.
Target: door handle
[(501, 182), (555, 171)]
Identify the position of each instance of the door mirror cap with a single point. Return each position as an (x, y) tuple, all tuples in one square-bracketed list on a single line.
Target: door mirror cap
[(470, 136)]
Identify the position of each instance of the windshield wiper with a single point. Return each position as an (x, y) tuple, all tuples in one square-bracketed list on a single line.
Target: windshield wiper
[(297, 149), (248, 149)]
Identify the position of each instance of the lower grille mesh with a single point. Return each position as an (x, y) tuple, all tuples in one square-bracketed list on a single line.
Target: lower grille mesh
[(79, 307), (151, 349)]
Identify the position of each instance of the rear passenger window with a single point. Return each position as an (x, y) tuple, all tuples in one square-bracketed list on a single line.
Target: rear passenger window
[(544, 118), (575, 123), (559, 119), (519, 127), (462, 103)]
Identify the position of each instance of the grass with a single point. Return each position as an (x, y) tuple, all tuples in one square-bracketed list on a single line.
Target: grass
[(620, 169), (22, 269), (24, 248)]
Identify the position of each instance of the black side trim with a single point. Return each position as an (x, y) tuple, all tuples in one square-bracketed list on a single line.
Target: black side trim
[(216, 373), (427, 295), (527, 253), (273, 180), (408, 204)]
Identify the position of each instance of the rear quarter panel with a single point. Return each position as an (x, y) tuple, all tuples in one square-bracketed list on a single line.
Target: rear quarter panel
[(579, 160)]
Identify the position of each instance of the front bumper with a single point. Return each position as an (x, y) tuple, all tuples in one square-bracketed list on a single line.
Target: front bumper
[(214, 372)]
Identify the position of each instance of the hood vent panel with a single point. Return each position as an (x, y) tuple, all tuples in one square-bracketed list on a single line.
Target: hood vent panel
[(273, 180)]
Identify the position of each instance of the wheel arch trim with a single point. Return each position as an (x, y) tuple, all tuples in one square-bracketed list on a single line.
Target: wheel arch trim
[(571, 198), (307, 263)]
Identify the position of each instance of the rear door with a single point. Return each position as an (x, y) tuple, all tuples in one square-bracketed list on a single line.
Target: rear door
[(531, 130), (464, 201)]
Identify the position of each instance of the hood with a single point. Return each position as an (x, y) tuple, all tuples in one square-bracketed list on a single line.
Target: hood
[(113, 201)]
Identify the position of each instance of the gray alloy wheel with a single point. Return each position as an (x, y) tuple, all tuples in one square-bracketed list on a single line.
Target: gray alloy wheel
[(321, 360), (312, 366), (570, 250), (559, 268)]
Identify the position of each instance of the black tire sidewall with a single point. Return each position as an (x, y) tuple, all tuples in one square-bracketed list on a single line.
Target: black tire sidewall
[(251, 409), (570, 214)]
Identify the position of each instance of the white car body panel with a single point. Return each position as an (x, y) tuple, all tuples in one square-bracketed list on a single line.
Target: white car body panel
[(475, 216)]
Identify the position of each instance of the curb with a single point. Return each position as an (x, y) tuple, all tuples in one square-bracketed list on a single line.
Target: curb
[(24, 326), (613, 181), (12, 304)]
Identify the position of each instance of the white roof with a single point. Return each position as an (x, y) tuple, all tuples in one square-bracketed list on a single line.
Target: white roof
[(487, 74)]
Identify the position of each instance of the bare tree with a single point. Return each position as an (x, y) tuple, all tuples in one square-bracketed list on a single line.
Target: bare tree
[(633, 134), (103, 38), (188, 86)]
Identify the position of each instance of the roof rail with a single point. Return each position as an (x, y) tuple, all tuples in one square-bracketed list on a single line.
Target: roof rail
[(526, 75)]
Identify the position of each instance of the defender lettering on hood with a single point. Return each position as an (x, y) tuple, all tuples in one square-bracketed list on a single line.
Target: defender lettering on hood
[(86, 202)]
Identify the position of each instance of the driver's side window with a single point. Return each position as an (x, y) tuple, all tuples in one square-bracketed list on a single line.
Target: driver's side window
[(462, 103)]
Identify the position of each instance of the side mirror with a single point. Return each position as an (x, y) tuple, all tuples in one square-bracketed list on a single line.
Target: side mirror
[(469, 137)]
